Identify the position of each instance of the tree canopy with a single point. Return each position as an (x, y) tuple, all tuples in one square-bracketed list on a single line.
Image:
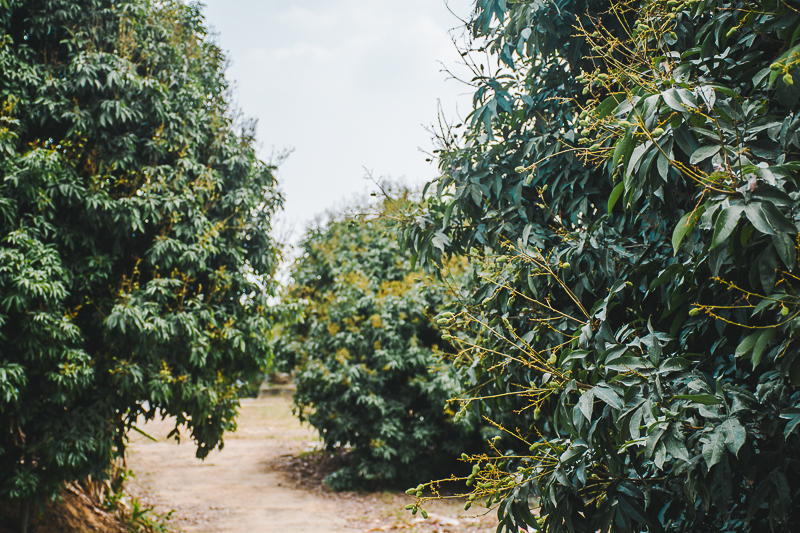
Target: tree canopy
[(134, 241), (369, 373), (627, 186)]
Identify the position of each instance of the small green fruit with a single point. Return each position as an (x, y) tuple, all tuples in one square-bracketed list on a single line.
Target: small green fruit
[(519, 170), (594, 147), (696, 311), (464, 457), (409, 506), (537, 414), (775, 66), (784, 310), (410, 492), (788, 80), (467, 506), (658, 132)]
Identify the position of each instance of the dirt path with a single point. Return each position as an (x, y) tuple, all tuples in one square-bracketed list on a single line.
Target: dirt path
[(241, 490)]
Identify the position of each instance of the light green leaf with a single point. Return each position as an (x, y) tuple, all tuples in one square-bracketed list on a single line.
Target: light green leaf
[(615, 194), (747, 344), (725, 224), (704, 399), (735, 435), (673, 100), (608, 395), (714, 448), (764, 338), (654, 434), (586, 404), (703, 153), (685, 226), (623, 147)]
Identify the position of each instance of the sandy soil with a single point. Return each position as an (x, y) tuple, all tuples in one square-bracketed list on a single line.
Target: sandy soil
[(244, 488)]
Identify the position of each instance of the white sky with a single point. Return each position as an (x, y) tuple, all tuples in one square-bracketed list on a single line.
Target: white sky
[(346, 84)]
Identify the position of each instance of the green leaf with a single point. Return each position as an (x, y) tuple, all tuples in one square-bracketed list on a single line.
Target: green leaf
[(725, 224), (685, 226), (448, 212), (735, 435), (791, 425), (747, 344), (654, 434), (782, 504), (767, 219), (608, 395), (703, 153), (673, 100), (675, 447), (715, 447), (624, 147), (759, 496), (704, 399), (764, 338), (787, 251), (628, 363), (586, 404), (608, 105), (767, 267), (615, 194)]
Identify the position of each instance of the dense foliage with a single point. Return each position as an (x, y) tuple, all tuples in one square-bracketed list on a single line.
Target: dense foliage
[(368, 373), (627, 186), (133, 224)]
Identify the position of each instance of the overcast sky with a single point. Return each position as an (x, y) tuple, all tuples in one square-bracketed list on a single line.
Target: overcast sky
[(346, 84)]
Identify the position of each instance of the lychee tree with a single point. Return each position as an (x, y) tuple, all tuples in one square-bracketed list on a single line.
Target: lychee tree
[(626, 186), (367, 354), (134, 239)]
